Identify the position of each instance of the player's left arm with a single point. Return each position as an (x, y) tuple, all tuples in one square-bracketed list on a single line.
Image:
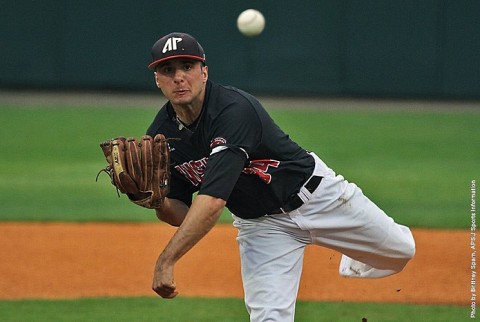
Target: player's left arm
[(200, 219)]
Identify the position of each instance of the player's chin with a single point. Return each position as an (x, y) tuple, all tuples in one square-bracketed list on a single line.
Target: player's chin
[(181, 99)]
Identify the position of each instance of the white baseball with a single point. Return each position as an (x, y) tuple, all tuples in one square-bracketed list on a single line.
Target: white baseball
[(251, 22)]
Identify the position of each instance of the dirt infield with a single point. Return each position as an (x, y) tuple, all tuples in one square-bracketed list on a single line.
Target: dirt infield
[(87, 260)]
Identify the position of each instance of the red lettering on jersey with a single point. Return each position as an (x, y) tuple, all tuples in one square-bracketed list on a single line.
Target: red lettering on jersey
[(260, 168), (193, 170)]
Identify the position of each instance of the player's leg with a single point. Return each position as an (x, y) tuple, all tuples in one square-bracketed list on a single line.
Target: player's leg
[(372, 243), (271, 260)]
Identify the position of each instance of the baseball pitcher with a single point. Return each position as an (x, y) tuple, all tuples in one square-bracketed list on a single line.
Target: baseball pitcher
[(219, 142)]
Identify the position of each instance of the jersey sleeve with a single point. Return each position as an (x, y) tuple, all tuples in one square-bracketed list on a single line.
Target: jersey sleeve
[(235, 133), (222, 172)]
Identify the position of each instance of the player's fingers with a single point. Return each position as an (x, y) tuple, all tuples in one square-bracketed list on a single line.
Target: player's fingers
[(165, 292), (171, 295)]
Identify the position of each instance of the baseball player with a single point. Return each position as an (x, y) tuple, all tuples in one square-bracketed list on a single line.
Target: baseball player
[(282, 197)]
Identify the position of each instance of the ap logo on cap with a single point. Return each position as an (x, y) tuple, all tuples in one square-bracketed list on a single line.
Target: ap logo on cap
[(169, 47), (171, 44)]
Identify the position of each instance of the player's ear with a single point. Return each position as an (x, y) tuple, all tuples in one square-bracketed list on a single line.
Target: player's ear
[(205, 73), (156, 79)]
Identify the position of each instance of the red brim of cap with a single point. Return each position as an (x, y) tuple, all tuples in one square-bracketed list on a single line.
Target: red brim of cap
[(155, 63)]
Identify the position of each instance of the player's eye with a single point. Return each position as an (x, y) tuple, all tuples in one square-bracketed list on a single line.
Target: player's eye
[(188, 66), (165, 70)]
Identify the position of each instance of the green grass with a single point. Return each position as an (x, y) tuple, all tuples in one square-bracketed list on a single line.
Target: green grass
[(416, 165), (208, 310), (51, 158)]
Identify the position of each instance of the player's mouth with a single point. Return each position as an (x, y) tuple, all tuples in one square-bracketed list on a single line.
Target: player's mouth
[(180, 92)]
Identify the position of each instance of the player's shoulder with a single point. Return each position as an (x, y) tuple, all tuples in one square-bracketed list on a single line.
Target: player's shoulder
[(231, 94), (221, 97)]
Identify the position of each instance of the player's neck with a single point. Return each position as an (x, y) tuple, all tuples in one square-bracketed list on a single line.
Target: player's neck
[(187, 114)]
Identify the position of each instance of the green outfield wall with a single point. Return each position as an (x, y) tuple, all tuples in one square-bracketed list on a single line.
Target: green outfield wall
[(407, 48)]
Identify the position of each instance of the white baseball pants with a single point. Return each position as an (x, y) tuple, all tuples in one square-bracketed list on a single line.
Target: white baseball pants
[(338, 216)]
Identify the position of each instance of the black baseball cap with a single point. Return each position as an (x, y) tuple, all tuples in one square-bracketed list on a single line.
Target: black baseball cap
[(176, 45)]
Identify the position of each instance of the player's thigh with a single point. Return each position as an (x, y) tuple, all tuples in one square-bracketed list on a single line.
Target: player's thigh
[(270, 241), (357, 227), (271, 260)]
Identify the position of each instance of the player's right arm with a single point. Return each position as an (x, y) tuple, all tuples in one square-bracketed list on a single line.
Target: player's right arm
[(172, 212)]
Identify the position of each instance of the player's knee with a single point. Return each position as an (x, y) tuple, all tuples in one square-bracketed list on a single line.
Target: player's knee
[(411, 251), (410, 248), (404, 254)]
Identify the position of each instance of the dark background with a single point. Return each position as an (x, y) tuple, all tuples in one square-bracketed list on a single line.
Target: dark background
[(338, 48)]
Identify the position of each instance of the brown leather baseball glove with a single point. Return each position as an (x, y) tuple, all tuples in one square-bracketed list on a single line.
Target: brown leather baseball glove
[(139, 168)]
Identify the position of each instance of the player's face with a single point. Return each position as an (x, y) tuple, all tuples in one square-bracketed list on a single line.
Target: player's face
[(182, 81)]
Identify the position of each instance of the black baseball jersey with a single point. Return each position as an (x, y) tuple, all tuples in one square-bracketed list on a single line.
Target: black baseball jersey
[(233, 151)]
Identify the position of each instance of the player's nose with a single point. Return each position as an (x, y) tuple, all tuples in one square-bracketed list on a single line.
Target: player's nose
[(178, 76)]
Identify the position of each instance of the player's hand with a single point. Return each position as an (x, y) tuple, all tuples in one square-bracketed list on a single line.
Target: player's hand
[(163, 282)]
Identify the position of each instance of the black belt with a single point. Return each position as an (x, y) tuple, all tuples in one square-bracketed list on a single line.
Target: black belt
[(295, 201)]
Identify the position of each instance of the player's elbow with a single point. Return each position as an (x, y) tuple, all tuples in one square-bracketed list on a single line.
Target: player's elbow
[(215, 202), (218, 204), (212, 206)]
